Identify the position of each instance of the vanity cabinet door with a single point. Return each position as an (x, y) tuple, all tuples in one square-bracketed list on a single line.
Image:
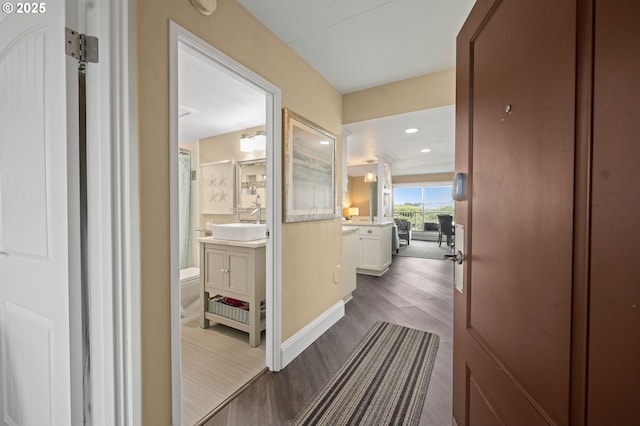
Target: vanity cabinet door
[(216, 266), (239, 272), (228, 270)]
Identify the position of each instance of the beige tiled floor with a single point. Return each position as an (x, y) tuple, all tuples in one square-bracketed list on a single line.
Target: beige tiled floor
[(216, 362)]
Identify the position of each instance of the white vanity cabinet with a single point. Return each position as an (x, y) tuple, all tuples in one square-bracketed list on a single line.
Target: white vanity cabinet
[(374, 248), (234, 269), (228, 270), (350, 248)]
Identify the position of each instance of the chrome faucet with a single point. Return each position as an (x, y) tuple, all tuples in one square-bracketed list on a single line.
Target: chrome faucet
[(258, 209)]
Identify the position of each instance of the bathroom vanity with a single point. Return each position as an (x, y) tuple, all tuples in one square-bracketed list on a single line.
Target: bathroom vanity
[(236, 270)]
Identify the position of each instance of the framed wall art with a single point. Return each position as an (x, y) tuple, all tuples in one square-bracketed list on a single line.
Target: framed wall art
[(309, 170), (217, 187)]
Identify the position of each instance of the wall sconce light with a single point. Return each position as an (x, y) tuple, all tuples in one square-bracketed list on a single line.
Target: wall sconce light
[(256, 141)]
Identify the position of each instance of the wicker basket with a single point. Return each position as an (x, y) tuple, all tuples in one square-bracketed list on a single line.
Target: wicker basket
[(230, 312)]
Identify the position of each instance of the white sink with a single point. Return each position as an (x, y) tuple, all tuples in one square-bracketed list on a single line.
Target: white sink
[(239, 231)]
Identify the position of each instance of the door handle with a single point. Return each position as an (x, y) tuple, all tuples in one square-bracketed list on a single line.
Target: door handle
[(456, 258)]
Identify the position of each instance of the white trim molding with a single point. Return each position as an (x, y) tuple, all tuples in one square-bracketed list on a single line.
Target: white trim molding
[(112, 214), (125, 210), (300, 341)]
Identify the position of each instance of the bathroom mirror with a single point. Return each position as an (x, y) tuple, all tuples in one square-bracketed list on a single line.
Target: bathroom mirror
[(252, 180)]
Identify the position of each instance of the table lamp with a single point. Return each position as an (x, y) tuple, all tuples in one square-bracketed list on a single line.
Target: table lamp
[(352, 211)]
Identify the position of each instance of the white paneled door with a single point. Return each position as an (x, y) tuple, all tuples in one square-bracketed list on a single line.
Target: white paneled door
[(40, 356)]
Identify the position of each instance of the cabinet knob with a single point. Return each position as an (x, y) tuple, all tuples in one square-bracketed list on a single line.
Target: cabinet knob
[(223, 270), (369, 231)]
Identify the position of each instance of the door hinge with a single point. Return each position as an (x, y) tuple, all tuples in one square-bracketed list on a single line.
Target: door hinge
[(267, 234), (193, 175), (82, 47)]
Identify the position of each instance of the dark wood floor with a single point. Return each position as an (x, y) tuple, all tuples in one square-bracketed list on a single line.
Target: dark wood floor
[(416, 293)]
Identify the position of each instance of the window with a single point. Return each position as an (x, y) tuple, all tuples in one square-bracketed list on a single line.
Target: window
[(422, 204)]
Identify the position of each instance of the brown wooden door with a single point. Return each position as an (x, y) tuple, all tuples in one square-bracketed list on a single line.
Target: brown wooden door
[(614, 316), (515, 139)]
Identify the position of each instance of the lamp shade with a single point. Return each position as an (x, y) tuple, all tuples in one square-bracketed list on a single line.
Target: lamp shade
[(370, 177), (353, 211)]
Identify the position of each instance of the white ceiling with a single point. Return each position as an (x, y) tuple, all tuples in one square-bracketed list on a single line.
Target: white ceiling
[(355, 44), (217, 103), (386, 136)]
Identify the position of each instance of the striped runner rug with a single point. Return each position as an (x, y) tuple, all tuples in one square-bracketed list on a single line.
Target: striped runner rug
[(383, 382)]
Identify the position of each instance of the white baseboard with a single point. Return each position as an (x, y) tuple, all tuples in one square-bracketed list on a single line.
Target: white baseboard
[(300, 341)]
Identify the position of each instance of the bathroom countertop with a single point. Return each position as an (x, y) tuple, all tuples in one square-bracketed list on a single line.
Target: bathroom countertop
[(249, 244)]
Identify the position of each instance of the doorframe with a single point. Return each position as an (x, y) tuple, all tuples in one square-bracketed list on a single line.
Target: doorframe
[(113, 215), (233, 69), (125, 212)]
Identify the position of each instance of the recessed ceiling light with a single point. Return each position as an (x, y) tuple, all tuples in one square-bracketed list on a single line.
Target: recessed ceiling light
[(425, 150), (411, 130)]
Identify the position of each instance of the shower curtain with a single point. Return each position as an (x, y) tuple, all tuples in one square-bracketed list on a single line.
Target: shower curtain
[(184, 200)]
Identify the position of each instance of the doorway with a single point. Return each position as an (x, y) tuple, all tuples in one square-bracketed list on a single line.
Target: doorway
[(423, 213), (420, 151), (234, 103)]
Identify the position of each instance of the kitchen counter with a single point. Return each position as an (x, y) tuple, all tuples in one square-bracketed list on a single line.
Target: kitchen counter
[(374, 246), (376, 224)]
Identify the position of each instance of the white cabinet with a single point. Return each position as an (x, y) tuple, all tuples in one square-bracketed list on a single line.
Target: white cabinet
[(369, 252), (237, 272), (374, 248), (350, 253), (227, 270)]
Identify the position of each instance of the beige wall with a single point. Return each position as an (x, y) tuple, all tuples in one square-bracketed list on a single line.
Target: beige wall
[(414, 94), (227, 147), (424, 178), (359, 194), (310, 250)]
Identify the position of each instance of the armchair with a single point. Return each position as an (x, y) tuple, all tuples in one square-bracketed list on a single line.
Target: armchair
[(395, 240), (404, 229)]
